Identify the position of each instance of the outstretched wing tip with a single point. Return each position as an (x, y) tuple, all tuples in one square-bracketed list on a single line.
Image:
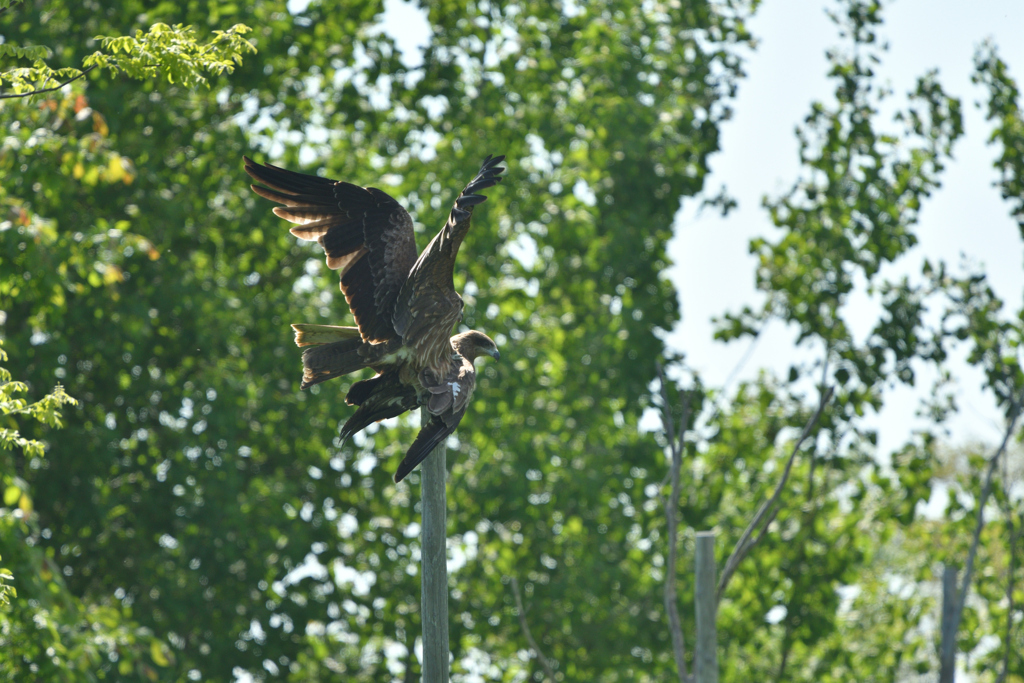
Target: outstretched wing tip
[(491, 164), (253, 168), (489, 175)]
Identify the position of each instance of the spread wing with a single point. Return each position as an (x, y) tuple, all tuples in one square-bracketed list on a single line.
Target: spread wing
[(367, 235), (428, 305)]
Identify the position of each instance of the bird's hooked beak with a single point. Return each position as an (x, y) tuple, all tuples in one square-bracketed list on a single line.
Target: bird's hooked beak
[(493, 353)]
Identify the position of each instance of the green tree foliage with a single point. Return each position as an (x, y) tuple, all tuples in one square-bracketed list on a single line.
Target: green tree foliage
[(162, 52), (854, 565), (45, 410), (200, 507), (169, 321), (975, 316), (46, 631)]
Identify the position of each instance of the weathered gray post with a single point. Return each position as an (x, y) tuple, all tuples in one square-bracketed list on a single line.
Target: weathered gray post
[(947, 648), (434, 564), (706, 650)]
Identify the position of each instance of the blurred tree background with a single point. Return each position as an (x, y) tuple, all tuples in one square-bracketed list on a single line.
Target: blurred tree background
[(195, 517)]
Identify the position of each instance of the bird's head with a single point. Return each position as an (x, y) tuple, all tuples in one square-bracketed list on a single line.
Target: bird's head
[(470, 345)]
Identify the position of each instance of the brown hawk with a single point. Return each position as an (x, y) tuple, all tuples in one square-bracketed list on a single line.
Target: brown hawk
[(404, 306)]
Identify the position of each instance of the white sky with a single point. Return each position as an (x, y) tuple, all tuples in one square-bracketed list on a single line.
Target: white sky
[(759, 157)]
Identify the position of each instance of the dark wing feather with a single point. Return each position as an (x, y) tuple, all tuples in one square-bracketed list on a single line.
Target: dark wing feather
[(359, 297), (349, 222), (428, 305), (379, 398), (434, 432)]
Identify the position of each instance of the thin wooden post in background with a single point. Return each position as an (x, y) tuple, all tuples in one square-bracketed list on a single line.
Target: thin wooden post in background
[(706, 600), (950, 612), (434, 564)]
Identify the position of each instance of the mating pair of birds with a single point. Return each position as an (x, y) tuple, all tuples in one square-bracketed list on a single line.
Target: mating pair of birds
[(405, 305)]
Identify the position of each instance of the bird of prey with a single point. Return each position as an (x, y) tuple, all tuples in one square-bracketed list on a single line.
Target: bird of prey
[(404, 305)]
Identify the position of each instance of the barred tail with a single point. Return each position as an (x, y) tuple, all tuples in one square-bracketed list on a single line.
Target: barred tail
[(327, 361)]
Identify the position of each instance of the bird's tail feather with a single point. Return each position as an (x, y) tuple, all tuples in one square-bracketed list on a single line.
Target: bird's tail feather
[(327, 361), (314, 335)]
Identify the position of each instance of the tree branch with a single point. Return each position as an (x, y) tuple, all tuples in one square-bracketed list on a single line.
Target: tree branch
[(529, 636), (985, 493), (46, 90), (744, 545), (672, 522)]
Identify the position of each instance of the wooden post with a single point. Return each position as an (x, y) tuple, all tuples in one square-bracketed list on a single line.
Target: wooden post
[(947, 648), (706, 650), (434, 564)]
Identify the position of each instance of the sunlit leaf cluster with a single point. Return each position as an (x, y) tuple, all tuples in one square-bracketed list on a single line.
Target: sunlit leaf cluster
[(168, 53)]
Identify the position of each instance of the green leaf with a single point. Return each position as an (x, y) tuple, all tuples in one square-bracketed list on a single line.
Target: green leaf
[(156, 651), (11, 495)]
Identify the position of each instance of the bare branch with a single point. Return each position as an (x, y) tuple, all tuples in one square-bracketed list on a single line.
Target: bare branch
[(744, 545), (666, 412), (46, 90), (672, 523), (529, 637), (985, 493)]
